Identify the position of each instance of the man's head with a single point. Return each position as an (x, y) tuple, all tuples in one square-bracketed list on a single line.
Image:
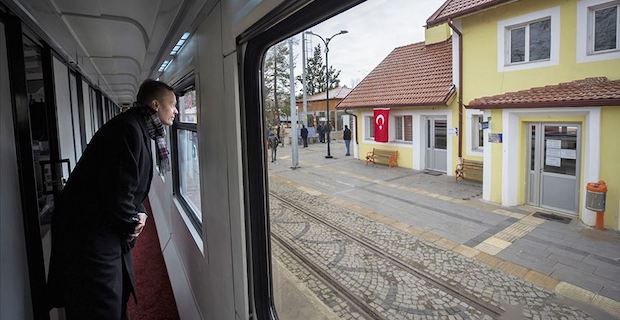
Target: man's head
[(346, 127), (161, 98)]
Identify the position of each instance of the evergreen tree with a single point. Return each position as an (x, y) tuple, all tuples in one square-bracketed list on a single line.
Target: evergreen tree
[(315, 73), (276, 87)]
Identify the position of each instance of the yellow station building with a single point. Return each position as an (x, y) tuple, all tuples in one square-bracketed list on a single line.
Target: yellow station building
[(540, 101)]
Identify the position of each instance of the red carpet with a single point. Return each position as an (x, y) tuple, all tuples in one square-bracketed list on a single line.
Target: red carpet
[(155, 298)]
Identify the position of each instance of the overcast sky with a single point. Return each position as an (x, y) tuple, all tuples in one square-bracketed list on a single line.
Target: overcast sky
[(375, 28)]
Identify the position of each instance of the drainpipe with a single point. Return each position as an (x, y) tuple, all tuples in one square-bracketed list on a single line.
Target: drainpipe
[(459, 167), (354, 116)]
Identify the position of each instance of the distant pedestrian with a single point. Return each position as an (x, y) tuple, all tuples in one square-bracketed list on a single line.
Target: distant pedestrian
[(346, 136), (319, 129), (304, 135), (278, 134), (273, 144)]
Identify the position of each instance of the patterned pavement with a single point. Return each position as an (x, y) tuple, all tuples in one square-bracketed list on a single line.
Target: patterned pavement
[(361, 268)]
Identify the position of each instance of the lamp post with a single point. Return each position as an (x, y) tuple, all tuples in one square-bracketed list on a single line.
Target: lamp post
[(326, 42)]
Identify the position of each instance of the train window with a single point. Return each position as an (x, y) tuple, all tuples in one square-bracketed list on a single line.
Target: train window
[(340, 239), (186, 171)]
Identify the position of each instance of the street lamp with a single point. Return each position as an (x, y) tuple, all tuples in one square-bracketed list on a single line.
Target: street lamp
[(326, 42)]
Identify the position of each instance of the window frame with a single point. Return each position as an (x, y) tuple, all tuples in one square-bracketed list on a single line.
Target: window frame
[(403, 138), (503, 40), (477, 120), (181, 88), (287, 19), (591, 37), (369, 128), (508, 43)]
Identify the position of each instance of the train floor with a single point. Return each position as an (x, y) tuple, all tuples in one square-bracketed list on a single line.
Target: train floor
[(351, 241), (154, 292)]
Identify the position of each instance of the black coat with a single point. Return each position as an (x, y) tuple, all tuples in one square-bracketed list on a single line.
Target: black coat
[(304, 132), (90, 267), (346, 135)]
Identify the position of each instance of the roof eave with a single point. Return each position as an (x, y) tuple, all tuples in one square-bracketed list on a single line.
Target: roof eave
[(433, 22), (547, 104)]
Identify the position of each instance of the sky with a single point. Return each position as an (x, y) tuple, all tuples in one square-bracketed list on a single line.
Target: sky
[(375, 28)]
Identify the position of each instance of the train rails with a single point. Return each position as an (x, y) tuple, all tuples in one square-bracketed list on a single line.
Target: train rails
[(410, 290)]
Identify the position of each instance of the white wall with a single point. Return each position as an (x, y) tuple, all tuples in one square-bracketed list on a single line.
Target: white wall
[(15, 287)]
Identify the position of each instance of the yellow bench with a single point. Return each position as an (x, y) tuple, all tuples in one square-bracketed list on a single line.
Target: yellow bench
[(387, 156)]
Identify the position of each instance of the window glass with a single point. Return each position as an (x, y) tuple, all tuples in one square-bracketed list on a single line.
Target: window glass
[(370, 128), (540, 40), (408, 128), (605, 28), (189, 172), (560, 140), (517, 45), (398, 127), (478, 134), (440, 134), (188, 108)]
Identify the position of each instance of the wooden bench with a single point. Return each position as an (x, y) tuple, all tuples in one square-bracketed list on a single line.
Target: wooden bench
[(470, 170), (387, 156)]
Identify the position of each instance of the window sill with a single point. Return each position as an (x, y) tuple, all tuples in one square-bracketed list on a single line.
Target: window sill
[(188, 223)]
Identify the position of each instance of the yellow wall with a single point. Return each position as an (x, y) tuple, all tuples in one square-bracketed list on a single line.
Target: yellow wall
[(480, 75), (610, 163), (437, 34), (406, 153), (481, 78)]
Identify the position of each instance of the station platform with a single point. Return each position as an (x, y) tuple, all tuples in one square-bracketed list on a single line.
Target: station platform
[(570, 259)]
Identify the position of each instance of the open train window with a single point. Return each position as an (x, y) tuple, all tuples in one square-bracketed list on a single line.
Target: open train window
[(184, 140), (330, 236)]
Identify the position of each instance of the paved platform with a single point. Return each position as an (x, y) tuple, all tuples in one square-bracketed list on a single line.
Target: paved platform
[(561, 257)]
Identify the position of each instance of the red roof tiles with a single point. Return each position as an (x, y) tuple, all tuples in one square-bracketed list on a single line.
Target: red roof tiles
[(586, 92), (412, 75), (456, 8)]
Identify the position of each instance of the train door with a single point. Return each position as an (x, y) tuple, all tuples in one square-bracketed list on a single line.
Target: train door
[(553, 166)]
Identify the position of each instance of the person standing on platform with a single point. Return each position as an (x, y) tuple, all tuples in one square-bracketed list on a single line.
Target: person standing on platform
[(100, 213), (304, 135), (319, 129), (273, 144), (346, 136)]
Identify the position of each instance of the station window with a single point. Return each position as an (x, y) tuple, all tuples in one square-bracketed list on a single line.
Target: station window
[(403, 128), (529, 42), (369, 133), (477, 133), (186, 170), (604, 27)]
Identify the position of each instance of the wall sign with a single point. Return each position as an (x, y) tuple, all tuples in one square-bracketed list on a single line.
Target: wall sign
[(495, 137)]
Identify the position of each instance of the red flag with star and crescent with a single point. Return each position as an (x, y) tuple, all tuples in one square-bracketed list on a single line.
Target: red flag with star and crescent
[(381, 124)]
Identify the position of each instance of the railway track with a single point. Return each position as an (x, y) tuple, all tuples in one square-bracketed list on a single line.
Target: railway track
[(439, 284)]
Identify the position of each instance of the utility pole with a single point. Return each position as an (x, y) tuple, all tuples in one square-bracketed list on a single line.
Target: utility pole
[(294, 145), (304, 81)]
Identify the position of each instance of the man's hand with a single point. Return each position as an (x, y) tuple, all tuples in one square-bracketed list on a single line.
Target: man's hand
[(141, 222)]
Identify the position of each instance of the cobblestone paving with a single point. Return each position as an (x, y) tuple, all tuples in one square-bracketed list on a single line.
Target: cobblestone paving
[(395, 293)]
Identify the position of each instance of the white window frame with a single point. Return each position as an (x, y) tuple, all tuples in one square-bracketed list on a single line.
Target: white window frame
[(368, 121), (503, 40), (402, 123), (585, 31), (471, 132), (475, 130)]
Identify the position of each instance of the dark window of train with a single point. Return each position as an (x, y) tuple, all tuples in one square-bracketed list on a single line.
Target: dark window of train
[(184, 139)]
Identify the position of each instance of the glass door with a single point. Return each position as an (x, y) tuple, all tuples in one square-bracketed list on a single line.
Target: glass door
[(436, 143), (553, 179)]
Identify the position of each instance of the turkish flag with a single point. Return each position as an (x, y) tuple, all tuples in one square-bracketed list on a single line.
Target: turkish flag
[(381, 124)]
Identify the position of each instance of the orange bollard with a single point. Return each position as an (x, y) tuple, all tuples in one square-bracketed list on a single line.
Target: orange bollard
[(600, 220)]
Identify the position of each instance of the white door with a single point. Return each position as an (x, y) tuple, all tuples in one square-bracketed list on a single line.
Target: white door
[(436, 143), (553, 166)]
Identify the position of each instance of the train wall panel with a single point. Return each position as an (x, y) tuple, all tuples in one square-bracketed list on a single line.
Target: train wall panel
[(15, 289)]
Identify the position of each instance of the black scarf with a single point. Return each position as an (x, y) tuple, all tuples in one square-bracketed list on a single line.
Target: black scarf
[(156, 132)]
